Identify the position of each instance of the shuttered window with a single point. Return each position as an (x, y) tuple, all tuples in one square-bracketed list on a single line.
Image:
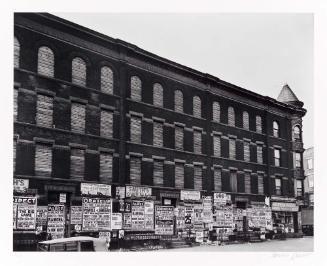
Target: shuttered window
[(157, 134), (16, 52), (275, 129), (217, 179), (107, 80), (44, 111), (260, 184), (136, 89), (216, 111), (136, 129), (197, 106), (45, 62), (135, 170), (43, 160), (246, 120), (231, 116), (247, 183), (78, 118), (79, 71), (179, 101), (179, 175), (179, 138), (233, 181), (277, 157), (106, 168), (14, 155), (106, 123), (232, 149), (157, 95), (198, 177), (15, 104), (259, 154), (197, 135), (158, 172), (216, 146), (77, 162), (258, 124), (246, 146)]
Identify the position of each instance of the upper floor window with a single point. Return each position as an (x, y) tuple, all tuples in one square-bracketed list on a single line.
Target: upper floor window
[(44, 110), (79, 71), (232, 149), (198, 177), (299, 188), (278, 186), (233, 181), (246, 120), (310, 163), (298, 160), (179, 137), (135, 170), (77, 163), (158, 170), (216, 146), (78, 117), (179, 175), (216, 112), (106, 123), (179, 101), (136, 88), (45, 61), (247, 182), (197, 141), (258, 124), (43, 160), (157, 95), (259, 154), (246, 145), (260, 184), (15, 104), (157, 133), (231, 116), (276, 129), (136, 129), (277, 157), (107, 80), (197, 106), (16, 52), (217, 179), (105, 168), (297, 133)]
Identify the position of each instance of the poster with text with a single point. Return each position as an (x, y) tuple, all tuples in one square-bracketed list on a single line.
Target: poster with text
[(149, 215), (138, 219), (127, 221), (180, 217), (26, 212), (76, 214), (164, 220), (116, 221), (56, 220), (41, 216)]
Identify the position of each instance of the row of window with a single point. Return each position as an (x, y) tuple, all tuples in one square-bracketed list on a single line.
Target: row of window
[(279, 191)]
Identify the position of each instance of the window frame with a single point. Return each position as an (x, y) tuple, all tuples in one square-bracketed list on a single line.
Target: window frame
[(278, 187), (277, 158), (42, 64), (276, 129)]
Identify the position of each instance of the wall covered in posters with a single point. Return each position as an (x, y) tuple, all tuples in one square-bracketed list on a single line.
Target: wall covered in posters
[(164, 220), (24, 213), (56, 220)]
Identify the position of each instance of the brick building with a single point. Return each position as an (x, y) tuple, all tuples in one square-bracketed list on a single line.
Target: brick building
[(92, 109)]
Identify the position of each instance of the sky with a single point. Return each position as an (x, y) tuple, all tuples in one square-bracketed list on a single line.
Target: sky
[(257, 51)]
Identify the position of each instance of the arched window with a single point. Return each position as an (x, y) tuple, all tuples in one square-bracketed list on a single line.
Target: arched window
[(216, 111), (136, 88), (179, 102), (45, 61), (297, 133), (197, 106), (275, 129), (258, 124), (16, 52), (79, 71), (246, 120), (107, 80), (157, 95), (231, 116)]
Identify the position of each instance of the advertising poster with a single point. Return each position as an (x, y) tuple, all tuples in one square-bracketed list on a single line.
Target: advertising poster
[(127, 221), (41, 215), (96, 214), (26, 212), (120, 192), (189, 216), (207, 209), (224, 217), (149, 215), (20, 185), (138, 221), (14, 215), (76, 215), (56, 220), (260, 217), (116, 221), (220, 198), (95, 189), (138, 192), (198, 214), (199, 236), (190, 195), (164, 220), (180, 217)]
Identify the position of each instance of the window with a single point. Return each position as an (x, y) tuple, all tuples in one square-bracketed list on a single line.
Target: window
[(107, 80), (278, 186), (197, 106), (158, 172), (78, 118), (136, 89), (275, 129), (77, 158), (246, 120), (299, 191), (310, 163), (16, 52), (297, 133), (258, 124), (15, 104), (259, 154), (231, 116), (179, 137), (157, 134), (45, 62), (198, 177), (44, 111), (197, 141), (246, 145), (298, 160), (216, 112), (157, 95), (43, 160), (179, 175), (136, 129), (217, 179), (14, 155), (277, 157), (179, 102), (106, 123), (79, 71), (216, 146), (260, 184), (106, 168), (233, 181), (247, 183), (232, 149), (135, 170)]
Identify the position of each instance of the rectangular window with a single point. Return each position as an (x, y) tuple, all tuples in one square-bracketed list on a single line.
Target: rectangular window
[(106, 124), (216, 146), (157, 134), (259, 154), (15, 104), (299, 188), (217, 179), (246, 151), (135, 170), (247, 183), (43, 160), (179, 175), (260, 184), (258, 124), (77, 158), (179, 138), (298, 160), (233, 181), (198, 177), (278, 186), (14, 155), (310, 163), (78, 118), (232, 149), (106, 168), (158, 173), (44, 111), (136, 129), (277, 157), (197, 141)]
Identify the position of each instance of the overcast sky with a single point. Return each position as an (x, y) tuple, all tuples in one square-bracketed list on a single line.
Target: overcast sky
[(260, 52)]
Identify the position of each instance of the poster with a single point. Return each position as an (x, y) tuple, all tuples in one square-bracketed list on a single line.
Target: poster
[(260, 217), (120, 192), (56, 220), (149, 215), (198, 213), (223, 217), (41, 216), (164, 220), (14, 215), (180, 217), (221, 198), (138, 219), (76, 215), (199, 236), (96, 214), (190, 195), (189, 216), (207, 209), (116, 221), (95, 189), (127, 221), (138, 192), (26, 212), (21, 185)]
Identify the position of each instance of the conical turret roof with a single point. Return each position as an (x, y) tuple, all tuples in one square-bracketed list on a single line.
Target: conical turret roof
[(286, 95)]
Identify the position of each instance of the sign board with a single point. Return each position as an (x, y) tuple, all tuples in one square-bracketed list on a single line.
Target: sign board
[(207, 209), (198, 213), (260, 217), (21, 185), (180, 217), (120, 192), (190, 195), (149, 215), (76, 215), (284, 206), (221, 198), (138, 192), (223, 217), (96, 214), (127, 221), (95, 189), (105, 235), (164, 220), (25, 212), (62, 198), (138, 219), (41, 215), (189, 216), (56, 220), (199, 236), (116, 221)]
